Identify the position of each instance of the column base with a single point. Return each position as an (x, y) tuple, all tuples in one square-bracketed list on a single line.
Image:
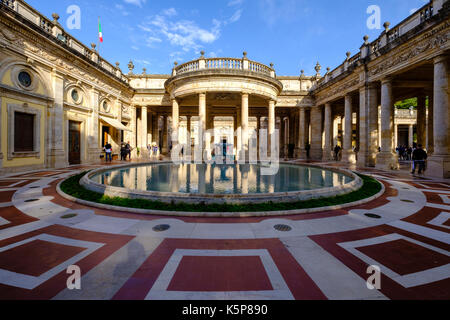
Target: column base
[(387, 161), (348, 156), (301, 154), (57, 159), (438, 166), (316, 154), (327, 155), (94, 155)]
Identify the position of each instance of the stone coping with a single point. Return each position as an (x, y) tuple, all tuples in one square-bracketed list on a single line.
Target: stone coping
[(194, 198), (219, 214)]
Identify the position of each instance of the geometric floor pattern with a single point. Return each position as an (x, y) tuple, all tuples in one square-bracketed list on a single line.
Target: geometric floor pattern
[(325, 255)]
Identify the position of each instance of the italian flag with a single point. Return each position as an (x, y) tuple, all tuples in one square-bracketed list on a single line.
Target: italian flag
[(100, 33)]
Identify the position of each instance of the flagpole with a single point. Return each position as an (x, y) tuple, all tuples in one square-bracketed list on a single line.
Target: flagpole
[(98, 37)]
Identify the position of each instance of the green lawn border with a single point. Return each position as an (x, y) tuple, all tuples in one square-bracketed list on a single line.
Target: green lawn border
[(71, 186)]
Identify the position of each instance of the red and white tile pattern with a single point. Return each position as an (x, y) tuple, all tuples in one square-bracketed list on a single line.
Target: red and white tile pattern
[(324, 256)]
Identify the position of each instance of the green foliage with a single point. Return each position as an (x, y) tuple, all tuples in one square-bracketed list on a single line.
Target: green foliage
[(406, 104), (72, 187)]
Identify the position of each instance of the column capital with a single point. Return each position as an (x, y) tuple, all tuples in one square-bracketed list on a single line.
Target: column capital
[(441, 58), (386, 81)]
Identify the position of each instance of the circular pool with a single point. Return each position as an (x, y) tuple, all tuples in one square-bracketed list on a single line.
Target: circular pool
[(214, 183)]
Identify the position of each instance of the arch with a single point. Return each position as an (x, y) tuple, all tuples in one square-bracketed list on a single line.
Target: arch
[(75, 85), (10, 63)]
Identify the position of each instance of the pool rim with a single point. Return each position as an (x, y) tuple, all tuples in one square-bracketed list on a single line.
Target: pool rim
[(190, 198)]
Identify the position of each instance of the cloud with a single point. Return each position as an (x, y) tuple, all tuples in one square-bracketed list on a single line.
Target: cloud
[(138, 3), (236, 16), (170, 12), (121, 8), (232, 3), (151, 40), (181, 33), (145, 63)]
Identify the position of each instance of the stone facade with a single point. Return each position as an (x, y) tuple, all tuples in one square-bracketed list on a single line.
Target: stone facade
[(84, 101)]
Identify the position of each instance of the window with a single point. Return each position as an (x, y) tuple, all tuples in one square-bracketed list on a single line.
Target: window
[(23, 132), (75, 95), (25, 79)]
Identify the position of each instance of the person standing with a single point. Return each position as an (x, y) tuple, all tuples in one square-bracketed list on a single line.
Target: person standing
[(123, 152), (149, 149), (419, 157), (128, 149), (337, 149), (108, 151)]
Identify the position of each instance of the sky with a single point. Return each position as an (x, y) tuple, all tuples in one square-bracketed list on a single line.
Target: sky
[(292, 34)]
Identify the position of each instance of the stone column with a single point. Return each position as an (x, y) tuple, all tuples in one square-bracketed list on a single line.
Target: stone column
[(410, 135), (302, 135), (335, 131), (151, 121), (56, 156), (430, 127), (347, 152), (258, 128), (155, 119), (282, 140), (373, 131), (271, 128), (439, 162), (175, 122), (421, 120), (244, 127), (238, 134), (144, 130), (395, 139), (387, 159), (328, 130), (368, 126), (189, 133), (94, 149), (316, 152), (201, 127), (165, 147)]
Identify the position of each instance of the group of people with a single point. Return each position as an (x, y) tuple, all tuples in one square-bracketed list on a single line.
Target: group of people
[(152, 150), (416, 154), (404, 152), (125, 151)]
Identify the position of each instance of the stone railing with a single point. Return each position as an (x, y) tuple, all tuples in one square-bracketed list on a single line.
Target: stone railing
[(405, 114), (223, 64), (59, 35), (387, 39)]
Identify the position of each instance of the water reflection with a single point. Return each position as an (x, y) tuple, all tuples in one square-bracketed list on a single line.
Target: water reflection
[(220, 179)]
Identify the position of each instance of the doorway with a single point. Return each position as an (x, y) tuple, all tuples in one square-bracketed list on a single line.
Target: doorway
[(74, 143), (105, 135)]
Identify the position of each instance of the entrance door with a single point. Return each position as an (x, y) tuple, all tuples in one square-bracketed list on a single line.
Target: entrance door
[(74, 143), (105, 135)]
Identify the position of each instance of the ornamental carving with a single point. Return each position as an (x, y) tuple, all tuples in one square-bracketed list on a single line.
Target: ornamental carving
[(433, 43)]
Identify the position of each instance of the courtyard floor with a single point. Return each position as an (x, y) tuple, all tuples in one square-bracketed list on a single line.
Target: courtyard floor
[(324, 256)]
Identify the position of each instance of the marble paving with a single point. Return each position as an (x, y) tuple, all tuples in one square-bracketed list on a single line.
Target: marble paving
[(325, 255)]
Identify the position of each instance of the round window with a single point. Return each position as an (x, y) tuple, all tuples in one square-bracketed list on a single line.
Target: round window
[(25, 79), (75, 95)]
